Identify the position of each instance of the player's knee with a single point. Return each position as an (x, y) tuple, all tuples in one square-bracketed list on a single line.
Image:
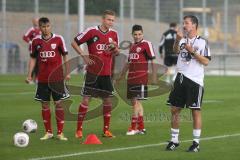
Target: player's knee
[(45, 105), (134, 102), (135, 108), (196, 112), (175, 111), (85, 101), (57, 104), (107, 102)]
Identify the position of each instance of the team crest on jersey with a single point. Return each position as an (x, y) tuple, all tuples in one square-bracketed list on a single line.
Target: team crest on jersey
[(110, 40), (53, 46), (38, 47), (95, 39), (138, 49)]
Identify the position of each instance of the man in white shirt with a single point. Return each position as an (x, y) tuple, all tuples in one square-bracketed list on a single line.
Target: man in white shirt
[(193, 55)]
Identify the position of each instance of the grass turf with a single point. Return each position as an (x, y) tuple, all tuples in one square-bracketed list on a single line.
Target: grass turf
[(220, 117)]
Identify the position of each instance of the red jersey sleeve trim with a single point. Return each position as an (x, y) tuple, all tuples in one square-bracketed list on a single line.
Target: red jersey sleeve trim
[(150, 49), (80, 38)]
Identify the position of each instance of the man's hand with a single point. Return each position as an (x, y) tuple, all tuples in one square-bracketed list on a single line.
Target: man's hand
[(113, 48), (112, 45), (189, 48), (68, 77), (28, 79), (176, 48), (179, 35), (88, 61)]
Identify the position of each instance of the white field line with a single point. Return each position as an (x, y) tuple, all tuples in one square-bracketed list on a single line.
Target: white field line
[(213, 101), (128, 148)]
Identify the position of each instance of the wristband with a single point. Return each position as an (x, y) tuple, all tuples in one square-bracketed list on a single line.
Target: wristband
[(193, 53)]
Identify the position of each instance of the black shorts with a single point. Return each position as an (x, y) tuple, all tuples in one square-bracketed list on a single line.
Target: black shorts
[(58, 91), (170, 60), (97, 86), (138, 91), (186, 93)]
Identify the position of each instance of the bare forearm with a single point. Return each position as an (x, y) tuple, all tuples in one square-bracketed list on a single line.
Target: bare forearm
[(176, 48), (77, 48), (31, 65), (203, 60), (155, 66), (66, 65), (124, 71)]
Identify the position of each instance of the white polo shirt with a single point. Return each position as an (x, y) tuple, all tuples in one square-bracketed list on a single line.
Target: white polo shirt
[(187, 64)]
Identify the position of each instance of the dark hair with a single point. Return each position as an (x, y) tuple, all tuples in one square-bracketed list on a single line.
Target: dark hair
[(137, 27), (194, 19), (43, 20), (108, 12), (173, 24)]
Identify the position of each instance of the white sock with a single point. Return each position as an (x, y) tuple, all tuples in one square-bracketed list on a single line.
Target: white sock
[(174, 134), (196, 135)]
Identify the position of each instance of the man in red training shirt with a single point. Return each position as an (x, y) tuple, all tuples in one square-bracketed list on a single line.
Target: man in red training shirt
[(102, 42), (48, 50)]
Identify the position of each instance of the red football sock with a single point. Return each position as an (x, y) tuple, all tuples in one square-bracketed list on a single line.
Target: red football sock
[(59, 113), (106, 117), (46, 115), (140, 123), (134, 122), (81, 115)]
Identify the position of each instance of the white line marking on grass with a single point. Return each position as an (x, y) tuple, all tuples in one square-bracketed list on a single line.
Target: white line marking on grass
[(212, 101), (128, 148)]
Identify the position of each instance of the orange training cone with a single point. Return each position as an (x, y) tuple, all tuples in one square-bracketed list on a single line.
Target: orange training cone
[(92, 139)]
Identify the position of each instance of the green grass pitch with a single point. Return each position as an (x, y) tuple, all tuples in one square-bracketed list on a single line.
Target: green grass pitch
[(221, 116)]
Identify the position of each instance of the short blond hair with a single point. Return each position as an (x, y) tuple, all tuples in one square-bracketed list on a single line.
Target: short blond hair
[(108, 12)]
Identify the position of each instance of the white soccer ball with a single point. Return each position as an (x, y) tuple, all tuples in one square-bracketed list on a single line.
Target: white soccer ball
[(29, 126), (21, 139)]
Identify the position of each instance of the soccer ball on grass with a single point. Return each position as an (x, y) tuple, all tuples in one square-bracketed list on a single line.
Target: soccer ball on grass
[(21, 139), (29, 126)]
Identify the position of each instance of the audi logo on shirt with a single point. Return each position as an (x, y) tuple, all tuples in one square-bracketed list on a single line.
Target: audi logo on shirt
[(47, 54), (133, 56), (102, 47)]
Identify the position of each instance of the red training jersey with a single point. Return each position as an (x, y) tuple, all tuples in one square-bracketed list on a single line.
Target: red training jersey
[(31, 34), (49, 57), (139, 55), (98, 43)]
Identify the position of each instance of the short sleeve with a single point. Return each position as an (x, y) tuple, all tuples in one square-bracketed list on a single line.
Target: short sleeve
[(149, 50), (206, 51), (83, 37), (33, 49), (62, 46)]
